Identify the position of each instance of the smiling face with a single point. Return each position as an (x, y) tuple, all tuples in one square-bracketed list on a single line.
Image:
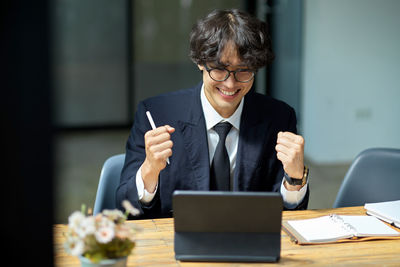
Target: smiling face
[(225, 96)]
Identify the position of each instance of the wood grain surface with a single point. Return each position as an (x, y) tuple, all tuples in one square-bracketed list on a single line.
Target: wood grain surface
[(155, 247)]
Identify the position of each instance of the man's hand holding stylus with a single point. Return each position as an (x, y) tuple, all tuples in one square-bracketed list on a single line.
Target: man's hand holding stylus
[(158, 147)]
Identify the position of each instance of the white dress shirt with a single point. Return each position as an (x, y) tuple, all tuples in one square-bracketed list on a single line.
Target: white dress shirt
[(290, 198)]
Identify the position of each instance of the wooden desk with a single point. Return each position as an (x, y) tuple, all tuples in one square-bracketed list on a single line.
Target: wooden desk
[(155, 247)]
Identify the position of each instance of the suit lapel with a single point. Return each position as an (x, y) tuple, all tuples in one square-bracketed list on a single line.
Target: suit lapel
[(193, 130), (253, 132)]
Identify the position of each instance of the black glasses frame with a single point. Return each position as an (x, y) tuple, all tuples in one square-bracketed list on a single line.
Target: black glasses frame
[(229, 73)]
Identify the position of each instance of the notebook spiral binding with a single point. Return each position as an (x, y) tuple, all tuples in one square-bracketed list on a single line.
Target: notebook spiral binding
[(345, 226)]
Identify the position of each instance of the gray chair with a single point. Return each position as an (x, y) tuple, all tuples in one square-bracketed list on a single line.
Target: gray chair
[(374, 176), (108, 183)]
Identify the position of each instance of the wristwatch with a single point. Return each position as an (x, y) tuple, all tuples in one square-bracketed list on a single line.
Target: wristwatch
[(293, 181)]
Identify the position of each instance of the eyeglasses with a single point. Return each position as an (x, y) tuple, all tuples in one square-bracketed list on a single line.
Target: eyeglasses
[(222, 74)]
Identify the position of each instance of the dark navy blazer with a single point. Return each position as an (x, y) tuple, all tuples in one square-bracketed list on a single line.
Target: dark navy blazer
[(257, 167)]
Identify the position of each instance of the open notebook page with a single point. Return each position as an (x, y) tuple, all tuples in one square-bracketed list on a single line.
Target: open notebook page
[(369, 226), (320, 229)]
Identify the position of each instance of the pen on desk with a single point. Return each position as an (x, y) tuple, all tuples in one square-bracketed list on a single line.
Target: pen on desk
[(153, 126)]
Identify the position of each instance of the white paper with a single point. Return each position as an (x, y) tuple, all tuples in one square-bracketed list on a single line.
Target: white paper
[(369, 226), (335, 227), (388, 211), (320, 229)]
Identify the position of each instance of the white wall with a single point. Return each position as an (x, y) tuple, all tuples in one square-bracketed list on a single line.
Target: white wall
[(350, 77)]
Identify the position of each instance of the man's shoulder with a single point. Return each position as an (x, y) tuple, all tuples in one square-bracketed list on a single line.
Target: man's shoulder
[(182, 95), (173, 105), (265, 102), (259, 107)]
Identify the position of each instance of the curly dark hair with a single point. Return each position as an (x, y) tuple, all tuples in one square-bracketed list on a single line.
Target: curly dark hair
[(250, 35)]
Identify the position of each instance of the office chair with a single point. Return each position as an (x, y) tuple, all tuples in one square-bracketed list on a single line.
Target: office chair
[(108, 183), (374, 176)]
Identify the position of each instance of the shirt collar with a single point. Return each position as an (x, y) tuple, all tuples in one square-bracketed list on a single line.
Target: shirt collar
[(212, 117)]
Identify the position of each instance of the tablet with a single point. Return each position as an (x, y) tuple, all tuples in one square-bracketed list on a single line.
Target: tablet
[(227, 226)]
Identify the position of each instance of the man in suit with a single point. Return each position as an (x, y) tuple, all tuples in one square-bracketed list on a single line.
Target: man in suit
[(259, 149)]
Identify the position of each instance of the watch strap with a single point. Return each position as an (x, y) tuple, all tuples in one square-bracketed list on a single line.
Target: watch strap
[(293, 181)]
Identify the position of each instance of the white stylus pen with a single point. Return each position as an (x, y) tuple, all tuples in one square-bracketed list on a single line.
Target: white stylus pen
[(153, 126)]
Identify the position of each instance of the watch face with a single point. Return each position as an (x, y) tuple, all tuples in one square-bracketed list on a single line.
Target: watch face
[(305, 176)]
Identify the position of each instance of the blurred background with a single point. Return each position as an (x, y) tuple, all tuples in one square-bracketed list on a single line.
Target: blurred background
[(77, 69), (337, 64)]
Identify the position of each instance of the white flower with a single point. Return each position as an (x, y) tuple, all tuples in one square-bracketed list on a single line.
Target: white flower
[(87, 227), (103, 221), (86, 233), (122, 231), (129, 208), (75, 245), (75, 219), (104, 234), (125, 232)]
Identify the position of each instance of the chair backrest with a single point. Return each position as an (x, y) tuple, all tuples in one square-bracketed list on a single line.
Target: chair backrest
[(108, 183), (374, 176)]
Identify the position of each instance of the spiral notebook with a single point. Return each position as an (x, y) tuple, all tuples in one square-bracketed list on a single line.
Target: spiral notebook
[(338, 228)]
